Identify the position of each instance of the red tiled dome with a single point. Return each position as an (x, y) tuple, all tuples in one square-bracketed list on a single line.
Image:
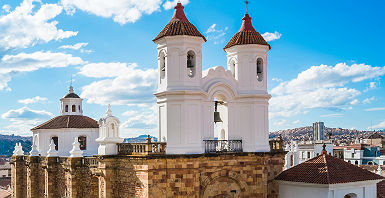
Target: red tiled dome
[(179, 25), (246, 35)]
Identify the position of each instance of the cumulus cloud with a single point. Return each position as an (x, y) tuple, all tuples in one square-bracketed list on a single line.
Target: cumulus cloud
[(23, 119), (6, 8), (216, 35), (23, 62), (37, 26), (171, 4), (321, 87), (380, 125), (26, 113), (332, 115), (121, 83), (140, 121), (35, 99), (76, 46), (121, 11), (271, 36), (368, 100)]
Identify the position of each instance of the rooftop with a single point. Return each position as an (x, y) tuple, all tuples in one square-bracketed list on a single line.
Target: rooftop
[(68, 121), (325, 169)]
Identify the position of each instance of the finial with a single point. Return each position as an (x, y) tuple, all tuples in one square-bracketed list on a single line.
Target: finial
[(324, 152), (379, 170), (52, 152), (109, 112), (76, 152), (246, 2), (34, 151)]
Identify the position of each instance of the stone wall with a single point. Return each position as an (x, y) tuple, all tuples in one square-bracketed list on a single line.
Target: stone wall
[(204, 175)]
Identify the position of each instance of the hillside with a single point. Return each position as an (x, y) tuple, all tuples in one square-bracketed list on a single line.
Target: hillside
[(7, 144)]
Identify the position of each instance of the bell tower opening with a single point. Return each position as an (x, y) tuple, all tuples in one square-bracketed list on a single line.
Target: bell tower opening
[(162, 66), (220, 118), (191, 63), (260, 69)]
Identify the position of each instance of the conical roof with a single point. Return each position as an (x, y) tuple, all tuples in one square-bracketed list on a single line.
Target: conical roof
[(246, 35), (325, 169), (179, 25)]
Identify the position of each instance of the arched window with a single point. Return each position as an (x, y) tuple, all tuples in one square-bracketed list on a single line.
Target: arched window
[(356, 162), (79, 108), (383, 162), (191, 61), (83, 142), (113, 129), (350, 195), (260, 69), (370, 163), (56, 142), (73, 108), (233, 68), (308, 154), (66, 108), (291, 160), (162, 65)]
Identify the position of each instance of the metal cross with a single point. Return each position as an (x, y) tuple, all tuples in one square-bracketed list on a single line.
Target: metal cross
[(246, 2)]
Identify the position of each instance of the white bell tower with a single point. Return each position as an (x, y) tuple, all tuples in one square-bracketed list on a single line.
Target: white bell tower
[(71, 104), (180, 74)]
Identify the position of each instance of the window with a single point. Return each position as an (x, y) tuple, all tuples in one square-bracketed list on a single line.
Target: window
[(79, 108), (66, 108), (352, 155), (162, 65), (356, 162), (83, 142), (291, 160), (383, 162), (350, 195), (190, 64), (259, 69), (56, 142), (233, 68), (370, 163), (308, 154), (73, 108)]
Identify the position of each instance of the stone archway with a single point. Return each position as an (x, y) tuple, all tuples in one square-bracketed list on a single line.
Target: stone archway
[(223, 187)]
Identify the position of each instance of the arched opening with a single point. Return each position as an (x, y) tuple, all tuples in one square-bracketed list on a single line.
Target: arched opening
[(233, 68), (356, 162), (260, 69), (351, 195), (66, 108), (79, 108), (56, 142), (291, 160), (370, 163), (113, 130), (308, 154), (191, 62), (162, 66), (83, 142), (383, 162), (73, 108)]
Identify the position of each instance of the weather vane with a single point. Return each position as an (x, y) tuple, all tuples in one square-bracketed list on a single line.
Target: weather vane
[(246, 2), (71, 80)]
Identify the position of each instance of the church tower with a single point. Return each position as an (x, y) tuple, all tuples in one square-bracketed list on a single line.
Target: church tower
[(180, 73), (247, 58)]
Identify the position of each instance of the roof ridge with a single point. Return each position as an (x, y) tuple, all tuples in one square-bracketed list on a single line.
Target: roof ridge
[(68, 121), (327, 168)]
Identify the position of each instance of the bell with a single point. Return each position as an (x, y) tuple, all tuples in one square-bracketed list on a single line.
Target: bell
[(189, 64), (217, 117)]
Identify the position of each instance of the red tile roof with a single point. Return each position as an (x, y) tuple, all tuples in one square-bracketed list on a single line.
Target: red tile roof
[(381, 189), (325, 169), (179, 25), (68, 121), (246, 35)]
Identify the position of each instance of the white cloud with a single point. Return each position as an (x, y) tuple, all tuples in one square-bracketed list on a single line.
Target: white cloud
[(321, 87), (37, 26), (122, 11), (296, 122), (23, 119), (368, 100), (216, 35), (277, 79), (380, 125), (35, 99), (333, 115), (6, 8), (26, 113), (125, 83), (77, 46), (23, 62), (271, 36), (376, 109), (140, 121), (171, 4)]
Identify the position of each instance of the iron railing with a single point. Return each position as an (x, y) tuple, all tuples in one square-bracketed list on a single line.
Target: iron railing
[(142, 148), (223, 146)]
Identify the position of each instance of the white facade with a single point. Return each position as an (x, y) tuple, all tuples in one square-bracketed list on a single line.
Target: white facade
[(362, 189), (186, 102), (299, 152), (71, 105)]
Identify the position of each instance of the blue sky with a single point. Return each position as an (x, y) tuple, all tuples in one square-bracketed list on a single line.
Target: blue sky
[(326, 61)]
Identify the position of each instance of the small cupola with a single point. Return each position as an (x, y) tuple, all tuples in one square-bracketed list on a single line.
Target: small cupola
[(246, 35), (71, 103), (179, 25)]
